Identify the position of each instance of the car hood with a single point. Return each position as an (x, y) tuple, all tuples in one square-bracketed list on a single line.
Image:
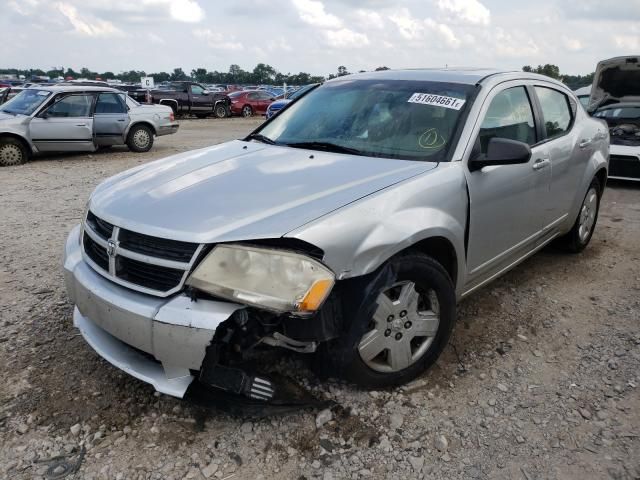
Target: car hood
[(241, 190), (10, 119), (616, 80)]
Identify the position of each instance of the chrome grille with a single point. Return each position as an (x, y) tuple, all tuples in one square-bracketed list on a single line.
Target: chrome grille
[(153, 265)]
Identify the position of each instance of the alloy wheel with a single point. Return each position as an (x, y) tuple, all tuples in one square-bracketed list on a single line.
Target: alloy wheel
[(403, 327), (588, 213)]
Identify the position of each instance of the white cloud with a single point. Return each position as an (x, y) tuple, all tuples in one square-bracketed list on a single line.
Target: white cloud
[(369, 19), (409, 27), (185, 11), (313, 13), (345, 38), (217, 40), (443, 32), (571, 44), (85, 25), (629, 43), (467, 11)]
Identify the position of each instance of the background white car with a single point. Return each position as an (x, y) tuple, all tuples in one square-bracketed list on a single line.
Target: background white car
[(615, 98), (77, 119)]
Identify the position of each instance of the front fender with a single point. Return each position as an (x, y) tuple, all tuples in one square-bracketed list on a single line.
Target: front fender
[(360, 237)]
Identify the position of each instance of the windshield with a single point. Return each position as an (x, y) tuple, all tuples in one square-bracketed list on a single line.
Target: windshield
[(131, 102), (300, 91), (619, 113), (26, 102), (381, 118)]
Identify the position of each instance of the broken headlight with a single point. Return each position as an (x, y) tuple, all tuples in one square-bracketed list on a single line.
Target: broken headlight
[(275, 280)]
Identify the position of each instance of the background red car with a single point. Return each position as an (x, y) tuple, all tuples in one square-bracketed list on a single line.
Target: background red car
[(250, 102)]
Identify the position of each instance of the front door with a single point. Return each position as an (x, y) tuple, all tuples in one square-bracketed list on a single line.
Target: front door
[(200, 102), (111, 119), (505, 211), (64, 126)]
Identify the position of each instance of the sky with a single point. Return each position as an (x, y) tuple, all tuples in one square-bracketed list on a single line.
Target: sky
[(315, 36)]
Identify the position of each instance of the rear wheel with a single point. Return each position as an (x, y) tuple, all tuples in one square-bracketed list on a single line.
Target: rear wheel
[(247, 111), (220, 111), (140, 139), (580, 235), (12, 152), (411, 323)]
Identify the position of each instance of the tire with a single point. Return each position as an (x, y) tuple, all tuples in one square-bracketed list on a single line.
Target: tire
[(220, 111), (247, 111), (383, 346), (140, 139), (580, 234), (12, 152)]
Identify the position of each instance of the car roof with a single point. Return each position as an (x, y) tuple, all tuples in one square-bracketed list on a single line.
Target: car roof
[(468, 76), (74, 88)]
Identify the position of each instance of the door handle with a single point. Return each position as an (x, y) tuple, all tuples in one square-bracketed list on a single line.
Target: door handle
[(584, 143), (81, 124), (541, 163), (121, 120)]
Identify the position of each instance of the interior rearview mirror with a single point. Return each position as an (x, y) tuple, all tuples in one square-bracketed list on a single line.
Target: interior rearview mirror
[(501, 151)]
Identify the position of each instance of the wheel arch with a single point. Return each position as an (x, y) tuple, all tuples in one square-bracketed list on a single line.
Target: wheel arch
[(142, 122), (20, 138), (170, 102)]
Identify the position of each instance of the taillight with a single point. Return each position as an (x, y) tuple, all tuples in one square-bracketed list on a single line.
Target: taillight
[(172, 117)]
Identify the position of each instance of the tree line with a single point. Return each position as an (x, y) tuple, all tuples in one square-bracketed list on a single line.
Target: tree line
[(262, 73), (572, 81)]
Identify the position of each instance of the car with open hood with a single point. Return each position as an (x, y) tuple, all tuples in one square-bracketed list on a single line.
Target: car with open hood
[(66, 118), (347, 227), (615, 98)]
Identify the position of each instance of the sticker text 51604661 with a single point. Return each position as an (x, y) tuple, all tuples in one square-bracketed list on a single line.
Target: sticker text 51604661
[(437, 100)]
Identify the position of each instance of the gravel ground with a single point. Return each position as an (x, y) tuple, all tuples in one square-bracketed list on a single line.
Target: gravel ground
[(541, 380)]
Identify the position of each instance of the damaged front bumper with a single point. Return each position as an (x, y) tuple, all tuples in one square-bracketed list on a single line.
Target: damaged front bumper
[(161, 341)]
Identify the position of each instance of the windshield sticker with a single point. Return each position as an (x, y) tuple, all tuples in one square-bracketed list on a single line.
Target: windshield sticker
[(43, 93), (437, 100)]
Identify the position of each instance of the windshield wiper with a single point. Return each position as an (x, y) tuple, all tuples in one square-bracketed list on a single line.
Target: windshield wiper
[(325, 146), (261, 138)]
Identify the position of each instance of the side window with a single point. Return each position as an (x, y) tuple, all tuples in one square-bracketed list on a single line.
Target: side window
[(555, 110), (110, 103), (71, 106), (253, 96), (265, 96), (509, 116), (197, 90)]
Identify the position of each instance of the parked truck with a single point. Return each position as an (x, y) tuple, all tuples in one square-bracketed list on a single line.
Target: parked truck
[(187, 98)]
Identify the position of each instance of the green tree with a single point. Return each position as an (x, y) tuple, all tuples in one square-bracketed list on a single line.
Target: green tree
[(178, 74)]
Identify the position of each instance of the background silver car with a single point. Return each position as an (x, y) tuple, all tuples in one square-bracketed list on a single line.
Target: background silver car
[(77, 119), (348, 225)]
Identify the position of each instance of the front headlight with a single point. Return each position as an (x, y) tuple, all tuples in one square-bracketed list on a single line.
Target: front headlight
[(276, 280)]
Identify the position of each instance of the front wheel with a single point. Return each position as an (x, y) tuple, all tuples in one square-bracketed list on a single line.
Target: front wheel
[(580, 235), (406, 329), (12, 152), (140, 139)]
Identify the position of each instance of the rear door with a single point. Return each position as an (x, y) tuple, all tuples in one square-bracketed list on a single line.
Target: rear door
[(569, 151), (66, 125), (111, 119)]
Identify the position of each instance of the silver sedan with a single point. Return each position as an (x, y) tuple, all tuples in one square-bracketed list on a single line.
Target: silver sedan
[(77, 119), (348, 225)]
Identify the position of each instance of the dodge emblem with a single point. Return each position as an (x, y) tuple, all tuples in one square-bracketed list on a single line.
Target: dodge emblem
[(111, 248)]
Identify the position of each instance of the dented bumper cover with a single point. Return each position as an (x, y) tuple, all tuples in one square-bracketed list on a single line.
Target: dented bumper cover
[(160, 341)]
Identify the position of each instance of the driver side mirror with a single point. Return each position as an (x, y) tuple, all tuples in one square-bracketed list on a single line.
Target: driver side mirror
[(206, 92), (500, 151)]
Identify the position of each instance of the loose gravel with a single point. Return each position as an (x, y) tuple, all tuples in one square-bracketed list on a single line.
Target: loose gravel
[(541, 380)]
